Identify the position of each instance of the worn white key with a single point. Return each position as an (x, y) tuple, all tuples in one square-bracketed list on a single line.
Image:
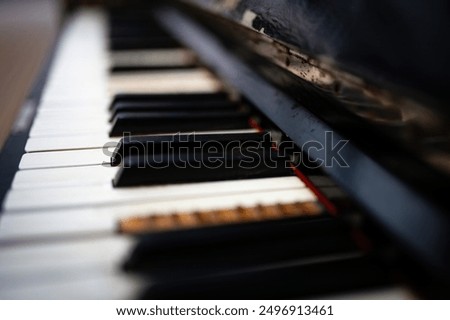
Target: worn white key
[(117, 286), (31, 225), (64, 253), (56, 225), (79, 114), (73, 269), (70, 130), (72, 91), (99, 93), (112, 287), (93, 91), (172, 81), (63, 177), (52, 106), (40, 199), (152, 58), (66, 141), (76, 113), (80, 65), (71, 158), (396, 292), (52, 123), (85, 141)]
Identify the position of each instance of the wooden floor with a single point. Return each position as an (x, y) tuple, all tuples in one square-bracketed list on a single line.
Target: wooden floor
[(27, 30)]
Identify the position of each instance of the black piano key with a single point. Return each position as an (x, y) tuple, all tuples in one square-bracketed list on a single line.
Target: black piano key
[(143, 42), (134, 25), (120, 29), (119, 69), (293, 280), (169, 98), (166, 122), (148, 145), (137, 28), (197, 167), (227, 248), (138, 33), (162, 106)]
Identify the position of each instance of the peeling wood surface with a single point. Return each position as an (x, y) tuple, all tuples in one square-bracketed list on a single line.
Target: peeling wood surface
[(389, 42)]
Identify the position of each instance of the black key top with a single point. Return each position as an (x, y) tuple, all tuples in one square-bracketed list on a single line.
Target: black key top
[(136, 29), (118, 68), (169, 98), (292, 280), (145, 25), (170, 106), (148, 145), (201, 166), (166, 122), (143, 42), (228, 248)]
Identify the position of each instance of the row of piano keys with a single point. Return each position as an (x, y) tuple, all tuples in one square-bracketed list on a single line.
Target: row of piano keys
[(67, 231)]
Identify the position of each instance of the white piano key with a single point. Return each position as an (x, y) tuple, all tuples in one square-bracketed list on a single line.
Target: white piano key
[(72, 115), (53, 106), (64, 253), (32, 226), (99, 94), (70, 158), (153, 57), (52, 123), (385, 293), (76, 113), (63, 177), (80, 65), (172, 81), (69, 130), (95, 91), (78, 80), (117, 286), (85, 141), (71, 141), (45, 199), (67, 266)]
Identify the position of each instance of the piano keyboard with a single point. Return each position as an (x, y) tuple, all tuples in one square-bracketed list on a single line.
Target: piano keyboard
[(75, 225)]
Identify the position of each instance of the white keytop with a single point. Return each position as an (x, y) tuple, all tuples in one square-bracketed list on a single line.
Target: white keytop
[(171, 81), (72, 142), (71, 158), (48, 198), (63, 177), (66, 270), (30, 226), (152, 58)]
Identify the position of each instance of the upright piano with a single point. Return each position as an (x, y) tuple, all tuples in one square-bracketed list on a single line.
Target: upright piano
[(233, 149)]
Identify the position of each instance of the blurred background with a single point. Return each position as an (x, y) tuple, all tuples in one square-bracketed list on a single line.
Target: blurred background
[(27, 31)]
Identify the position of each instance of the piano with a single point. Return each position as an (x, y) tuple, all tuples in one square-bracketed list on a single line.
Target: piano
[(233, 150)]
